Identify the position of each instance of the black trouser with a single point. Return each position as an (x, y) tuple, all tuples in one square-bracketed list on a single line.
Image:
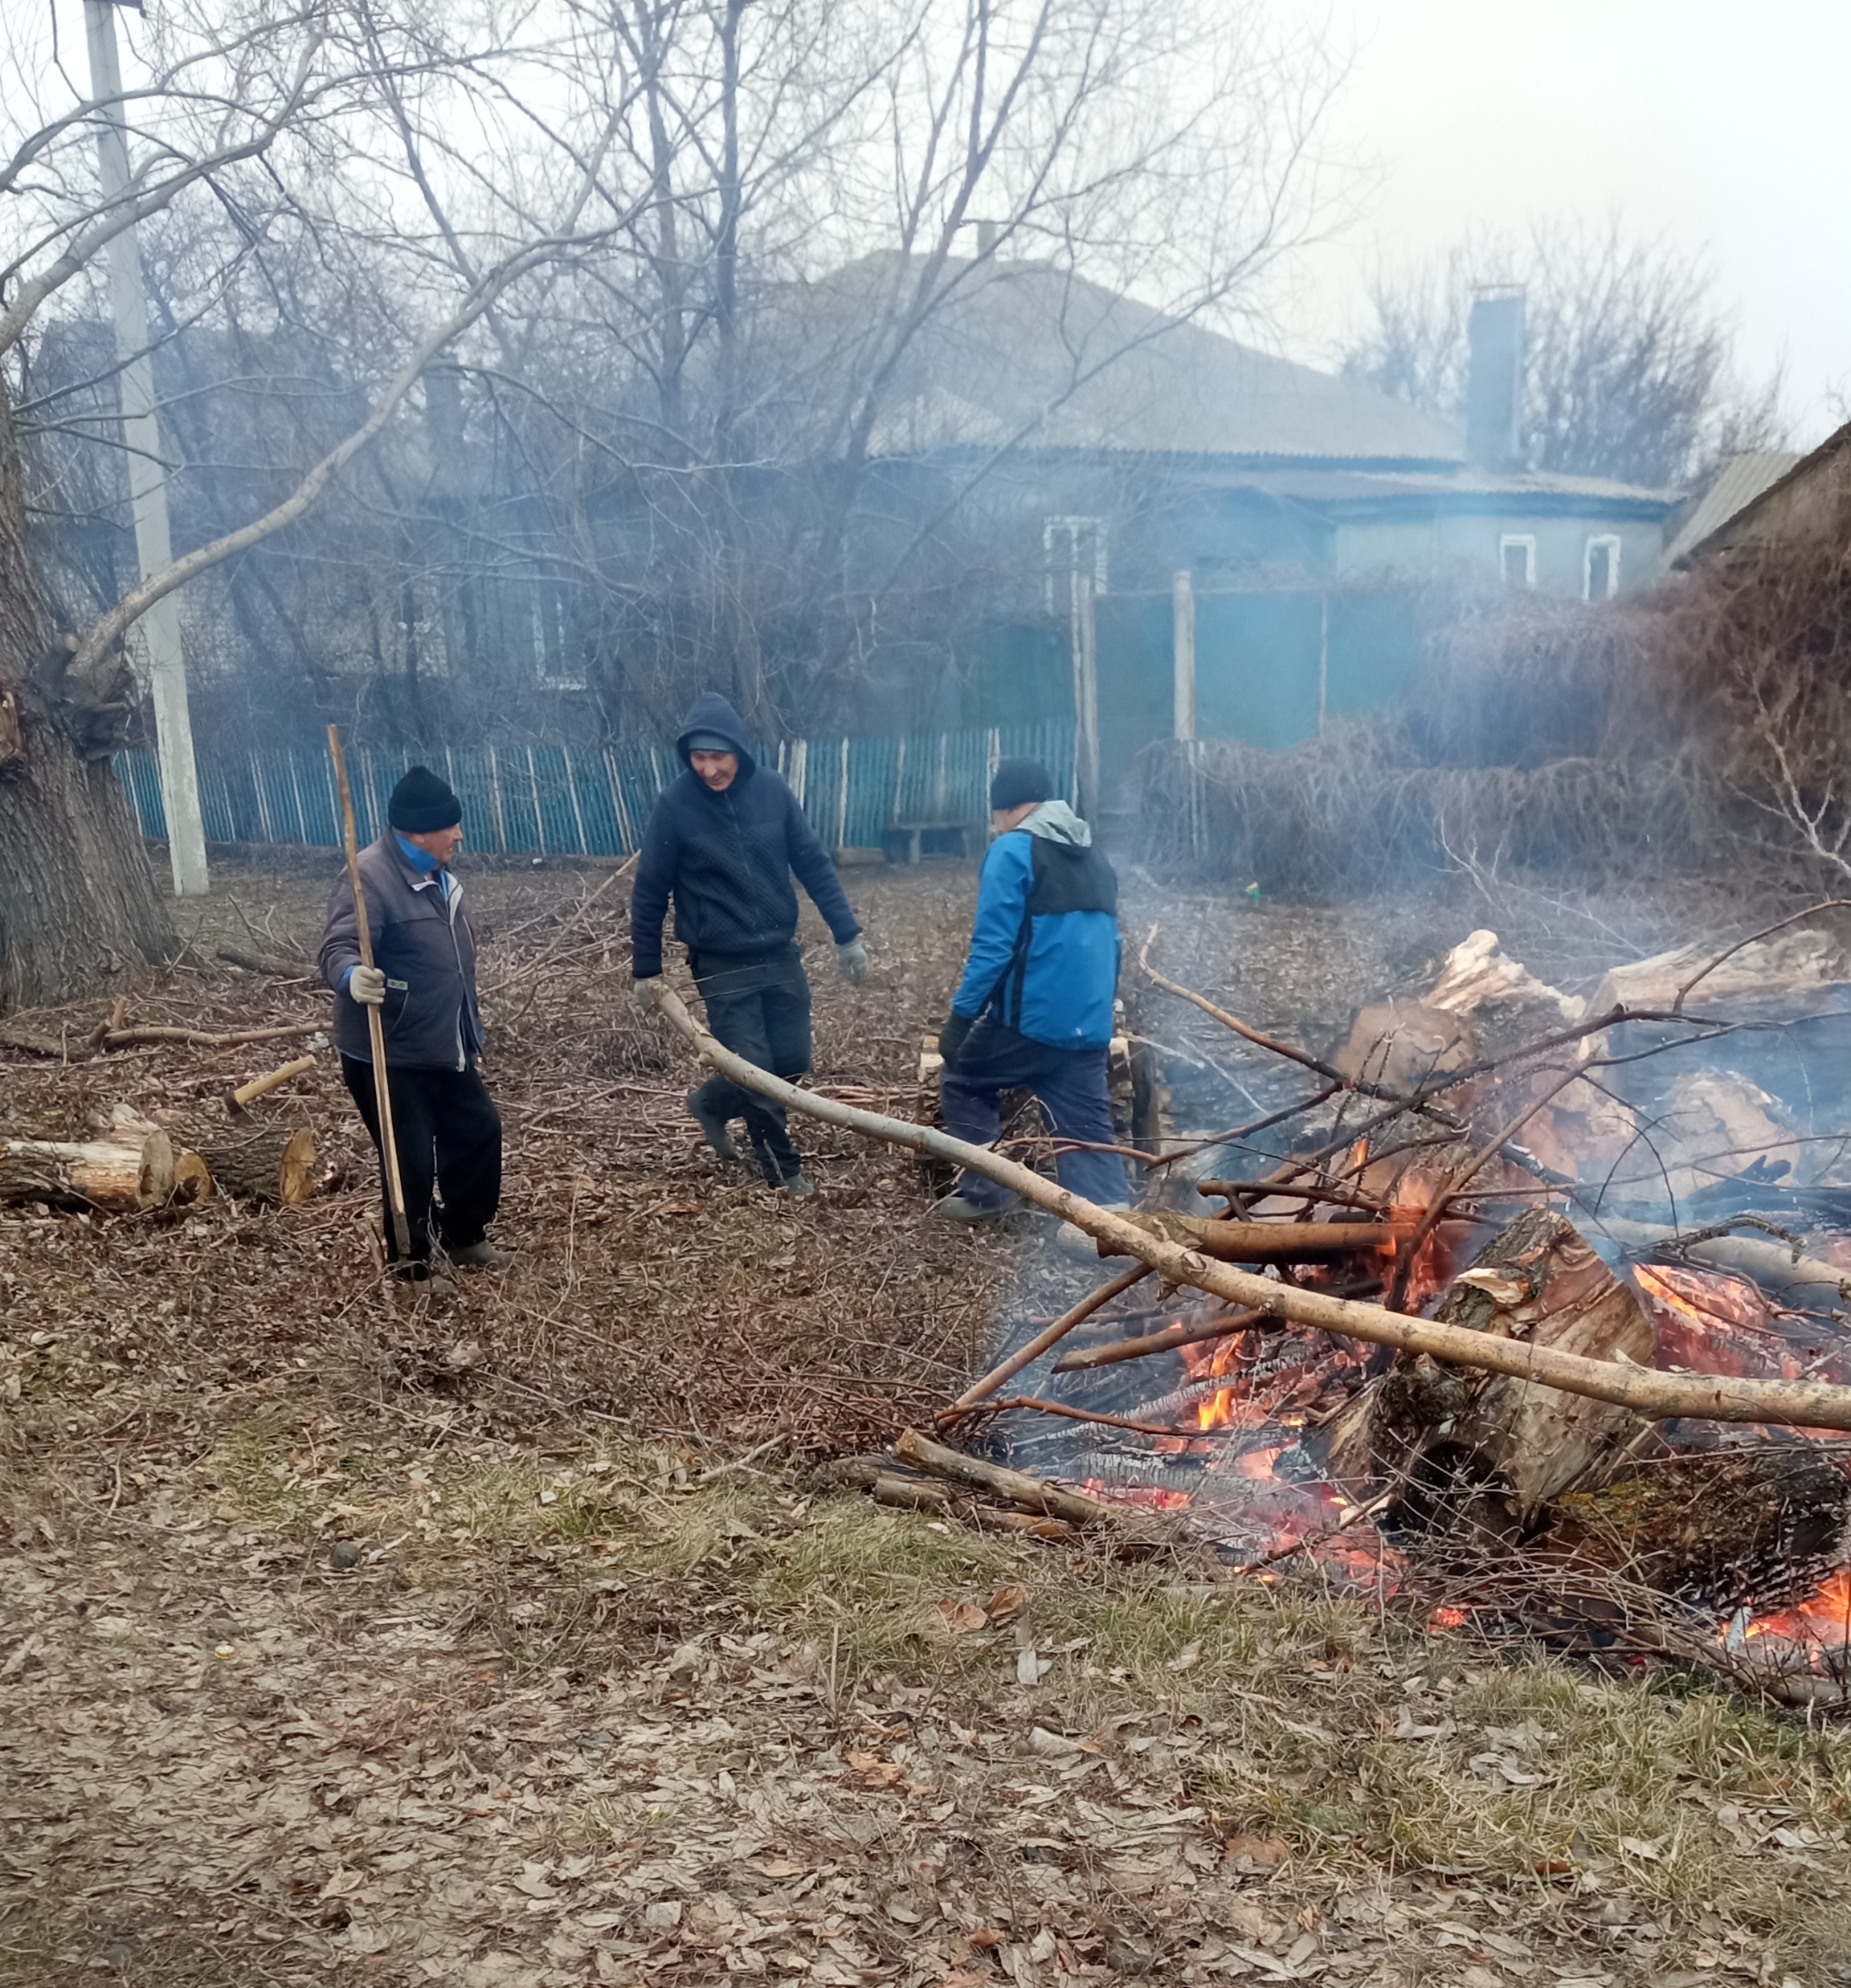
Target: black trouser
[(449, 1137), (760, 1009)]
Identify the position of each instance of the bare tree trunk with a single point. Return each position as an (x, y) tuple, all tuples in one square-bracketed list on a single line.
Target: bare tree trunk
[(78, 903)]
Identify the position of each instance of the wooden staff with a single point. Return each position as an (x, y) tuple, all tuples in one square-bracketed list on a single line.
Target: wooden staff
[(375, 1021)]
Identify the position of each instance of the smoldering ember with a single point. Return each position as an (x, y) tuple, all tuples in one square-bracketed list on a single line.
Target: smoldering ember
[(868, 1115)]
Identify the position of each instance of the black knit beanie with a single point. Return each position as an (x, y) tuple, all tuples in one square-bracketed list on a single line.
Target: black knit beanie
[(421, 804), (1015, 781)]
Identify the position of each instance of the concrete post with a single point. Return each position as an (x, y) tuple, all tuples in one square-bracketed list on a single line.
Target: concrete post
[(147, 475), (1086, 684), (1183, 618)]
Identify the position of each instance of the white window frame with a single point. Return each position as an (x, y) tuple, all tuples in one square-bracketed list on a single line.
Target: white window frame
[(1527, 541), (1610, 542)]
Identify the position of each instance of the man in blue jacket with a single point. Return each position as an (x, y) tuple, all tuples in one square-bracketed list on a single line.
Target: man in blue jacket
[(1034, 1009), (722, 842)]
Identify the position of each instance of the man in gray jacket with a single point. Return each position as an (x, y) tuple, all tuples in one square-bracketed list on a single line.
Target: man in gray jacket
[(423, 981)]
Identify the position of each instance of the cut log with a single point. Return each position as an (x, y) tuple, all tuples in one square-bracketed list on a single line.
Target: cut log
[(277, 1167), (1488, 1451), (192, 1180), (1771, 1265), (136, 1172), (910, 1494)]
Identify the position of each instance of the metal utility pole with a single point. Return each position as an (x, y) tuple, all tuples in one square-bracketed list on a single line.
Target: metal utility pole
[(147, 477)]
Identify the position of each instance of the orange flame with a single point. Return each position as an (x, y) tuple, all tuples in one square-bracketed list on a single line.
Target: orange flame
[(1824, 1618)]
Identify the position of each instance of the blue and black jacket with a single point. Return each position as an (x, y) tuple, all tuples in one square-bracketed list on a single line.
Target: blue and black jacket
[(1045, 948)]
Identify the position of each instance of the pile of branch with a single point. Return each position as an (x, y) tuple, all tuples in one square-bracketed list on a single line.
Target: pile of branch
[(1648, 1393)]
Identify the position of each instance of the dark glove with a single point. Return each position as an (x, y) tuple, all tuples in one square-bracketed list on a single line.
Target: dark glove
[(951, 1037)]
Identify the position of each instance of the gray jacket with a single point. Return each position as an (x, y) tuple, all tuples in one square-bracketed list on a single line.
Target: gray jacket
[(426, 949)]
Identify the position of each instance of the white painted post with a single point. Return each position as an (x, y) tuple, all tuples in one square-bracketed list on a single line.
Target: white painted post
[(1182, 615), (625, 834), (533, 789), (147, 474), (577, 813), (495, 811), (1085, 688), (842, 798)]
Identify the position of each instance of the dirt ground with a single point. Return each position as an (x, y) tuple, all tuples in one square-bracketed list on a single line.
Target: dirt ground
[(344, 1637)]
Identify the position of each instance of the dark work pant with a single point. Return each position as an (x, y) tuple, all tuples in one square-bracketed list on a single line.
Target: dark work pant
[(449, 1138), (1072, 1087), (760, 1009)]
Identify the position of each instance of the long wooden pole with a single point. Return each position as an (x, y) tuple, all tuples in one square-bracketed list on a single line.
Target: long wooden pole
[(375, 1022), (1659, 1397)]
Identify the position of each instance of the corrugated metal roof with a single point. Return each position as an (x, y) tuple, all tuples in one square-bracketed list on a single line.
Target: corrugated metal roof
[(1738, 482), (1026, 351), (1547, 489)]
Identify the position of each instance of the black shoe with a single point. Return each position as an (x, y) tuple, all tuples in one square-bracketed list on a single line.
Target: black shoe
[(483, 1255), (429, 1279), (714, 1128), (955, 1207)]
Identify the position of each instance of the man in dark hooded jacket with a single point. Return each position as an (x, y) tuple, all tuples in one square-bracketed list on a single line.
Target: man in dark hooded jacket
[(722, 842)]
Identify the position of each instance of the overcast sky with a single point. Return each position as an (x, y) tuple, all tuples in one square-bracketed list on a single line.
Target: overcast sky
[(1720, 125)]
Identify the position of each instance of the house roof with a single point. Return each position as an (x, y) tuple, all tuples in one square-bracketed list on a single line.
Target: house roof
[(1741, 479), (1802, 499), (1025, 353), (1356, 491)]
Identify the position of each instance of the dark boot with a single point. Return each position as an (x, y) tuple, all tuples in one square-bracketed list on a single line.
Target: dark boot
[(483, 1255), (713, 1128)]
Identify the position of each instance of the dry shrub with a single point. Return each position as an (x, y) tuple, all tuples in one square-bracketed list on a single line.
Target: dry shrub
[(1352, 812), (1705, 725), (1747, 664)]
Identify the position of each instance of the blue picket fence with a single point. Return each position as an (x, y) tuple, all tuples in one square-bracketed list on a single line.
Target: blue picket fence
[(560, 800)]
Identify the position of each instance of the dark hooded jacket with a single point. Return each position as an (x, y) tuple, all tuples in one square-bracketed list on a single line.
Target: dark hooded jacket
[(424, 944), (726, 859)]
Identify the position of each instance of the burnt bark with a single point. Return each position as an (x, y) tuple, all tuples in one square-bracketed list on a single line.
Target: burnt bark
[(78, 902)]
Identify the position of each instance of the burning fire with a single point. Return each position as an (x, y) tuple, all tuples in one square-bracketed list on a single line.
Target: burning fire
[(1823, 1617)]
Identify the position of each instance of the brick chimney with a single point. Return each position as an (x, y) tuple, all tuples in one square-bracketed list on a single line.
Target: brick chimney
[(1494, 384)]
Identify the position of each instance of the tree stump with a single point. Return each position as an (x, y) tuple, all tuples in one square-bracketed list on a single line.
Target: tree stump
[(1486, 1452), (273, 1167), (127, 1172)]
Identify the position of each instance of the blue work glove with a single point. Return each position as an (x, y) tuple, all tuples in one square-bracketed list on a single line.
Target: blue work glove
[(852, 959)]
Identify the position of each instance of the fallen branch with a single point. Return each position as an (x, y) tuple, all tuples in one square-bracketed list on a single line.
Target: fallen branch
[(1037, 1405), (1007, 1369), (1660, 1396), (1411, 1101), (1165, 1341), (202, 1039), (260, 963), (1015, 1486), (271, 1080), (141, 1038)]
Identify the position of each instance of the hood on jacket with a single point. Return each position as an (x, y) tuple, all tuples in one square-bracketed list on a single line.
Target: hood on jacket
[(1056, 822), (711, 713)]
